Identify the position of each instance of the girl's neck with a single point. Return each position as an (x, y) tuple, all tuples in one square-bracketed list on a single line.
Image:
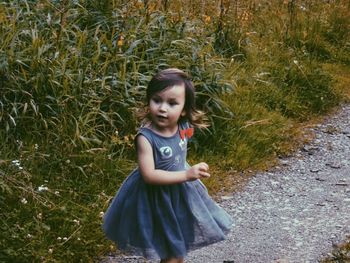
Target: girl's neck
[(165, 132)]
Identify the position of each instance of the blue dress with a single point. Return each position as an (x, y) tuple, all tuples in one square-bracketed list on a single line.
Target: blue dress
[(163, 221)]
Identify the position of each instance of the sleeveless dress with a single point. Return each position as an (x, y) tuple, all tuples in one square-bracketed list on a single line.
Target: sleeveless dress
[(163, 221)]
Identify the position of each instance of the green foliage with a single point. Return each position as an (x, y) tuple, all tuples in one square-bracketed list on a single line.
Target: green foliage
[(73, 73), (305, 89), (52, 204)]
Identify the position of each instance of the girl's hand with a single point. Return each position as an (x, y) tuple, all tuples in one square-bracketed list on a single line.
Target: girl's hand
[(197, 171)]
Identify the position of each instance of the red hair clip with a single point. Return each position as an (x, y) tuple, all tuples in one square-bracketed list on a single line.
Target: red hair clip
[(187, 132)]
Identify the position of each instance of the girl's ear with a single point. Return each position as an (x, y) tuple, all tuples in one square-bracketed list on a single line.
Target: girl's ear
[(183, 113)]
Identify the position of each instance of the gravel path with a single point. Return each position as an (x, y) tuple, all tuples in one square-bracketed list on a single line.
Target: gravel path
[(294, 213)]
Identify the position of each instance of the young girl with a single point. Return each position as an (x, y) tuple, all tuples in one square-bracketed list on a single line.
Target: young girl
[(162, 210)]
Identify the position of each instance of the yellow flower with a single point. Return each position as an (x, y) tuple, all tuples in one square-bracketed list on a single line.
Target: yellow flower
[(207, 19), (139, 4), (120, 41)]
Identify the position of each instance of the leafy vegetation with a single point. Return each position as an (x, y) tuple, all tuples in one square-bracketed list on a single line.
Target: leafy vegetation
[(73, 74)]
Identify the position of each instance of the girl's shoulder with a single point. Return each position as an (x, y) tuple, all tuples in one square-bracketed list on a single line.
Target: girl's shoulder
[(184, 124)]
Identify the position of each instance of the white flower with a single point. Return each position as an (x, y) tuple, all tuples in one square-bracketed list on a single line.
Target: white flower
[(42, 188), (50, 250), (59, 238), (29, 236), (36, 146), (48, 19), (16, 163), (76, 221), (102, 214), (57, 192), (65, 238), (24, 201)]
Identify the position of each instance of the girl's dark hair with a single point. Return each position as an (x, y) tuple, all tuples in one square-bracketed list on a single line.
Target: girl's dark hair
[(173, 76)]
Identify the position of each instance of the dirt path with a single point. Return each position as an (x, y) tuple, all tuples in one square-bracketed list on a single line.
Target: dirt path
[(296, 212)]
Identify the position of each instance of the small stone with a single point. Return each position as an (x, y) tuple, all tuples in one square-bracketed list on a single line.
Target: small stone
[(314, 170), (281, 260), (342, 184), (320, 179), (227, 197), (335, 165), (284, 162)]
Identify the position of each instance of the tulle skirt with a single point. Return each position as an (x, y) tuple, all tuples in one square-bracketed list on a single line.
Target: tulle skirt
[(163, 221)]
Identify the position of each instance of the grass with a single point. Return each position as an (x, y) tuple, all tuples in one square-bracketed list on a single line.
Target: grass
[(340, 253), (72, 75)]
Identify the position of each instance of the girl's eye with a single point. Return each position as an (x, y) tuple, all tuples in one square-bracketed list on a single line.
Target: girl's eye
[(156, 100), (173, 103)]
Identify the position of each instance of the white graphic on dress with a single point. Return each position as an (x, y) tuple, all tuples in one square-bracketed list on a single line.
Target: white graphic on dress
[(166, 152), (177, 159), (182, 144)]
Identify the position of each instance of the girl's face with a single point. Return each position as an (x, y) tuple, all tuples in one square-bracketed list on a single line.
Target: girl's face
[(167, 106)]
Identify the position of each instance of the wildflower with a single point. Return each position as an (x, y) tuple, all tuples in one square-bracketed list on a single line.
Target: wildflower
[(36, 146), (48, 19), (139, 4), (78, 239), (296, 62), (76, 221), (68, 161), (16, 162), (40, 216), (50, 250), (59, 238), (57, 192), (24, 201), (206, 19), (42, 188), (120, 41), (29, 236), (102, 214), (65, 239), (245, 16)]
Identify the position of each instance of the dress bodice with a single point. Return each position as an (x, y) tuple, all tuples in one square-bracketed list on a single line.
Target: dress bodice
[(169, 153)]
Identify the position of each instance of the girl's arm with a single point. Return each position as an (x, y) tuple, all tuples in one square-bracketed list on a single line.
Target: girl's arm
[(156, 176)]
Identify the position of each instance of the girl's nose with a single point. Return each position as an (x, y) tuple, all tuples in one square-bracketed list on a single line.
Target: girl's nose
[(162, 107)]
